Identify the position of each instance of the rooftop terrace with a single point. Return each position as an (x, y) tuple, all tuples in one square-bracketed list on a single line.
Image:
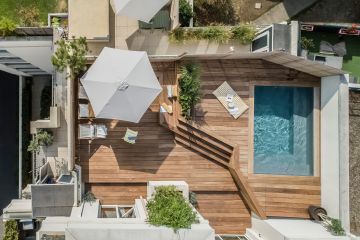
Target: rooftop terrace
[(117, 172)]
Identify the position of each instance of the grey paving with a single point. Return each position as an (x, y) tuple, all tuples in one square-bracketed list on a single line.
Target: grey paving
[(8, 138), (284, 11)]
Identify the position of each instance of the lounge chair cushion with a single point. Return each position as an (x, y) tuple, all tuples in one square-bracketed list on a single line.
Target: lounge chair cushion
[(130, 136), (227, 96)]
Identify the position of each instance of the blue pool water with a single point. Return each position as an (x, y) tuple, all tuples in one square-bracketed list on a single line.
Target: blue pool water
[(283, 130)]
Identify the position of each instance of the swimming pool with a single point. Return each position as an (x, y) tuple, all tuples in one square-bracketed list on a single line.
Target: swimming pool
[(283, 130)]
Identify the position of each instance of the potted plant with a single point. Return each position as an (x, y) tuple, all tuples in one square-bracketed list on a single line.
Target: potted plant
[(168, 207), (185, 13), (307, 44), (189, 84)]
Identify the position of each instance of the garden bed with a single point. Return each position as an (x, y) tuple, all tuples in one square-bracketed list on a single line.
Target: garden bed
[(229, 12), (10, 8)]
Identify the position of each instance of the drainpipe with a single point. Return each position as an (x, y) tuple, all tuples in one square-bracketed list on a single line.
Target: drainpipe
[(20, 135), (70, 121)]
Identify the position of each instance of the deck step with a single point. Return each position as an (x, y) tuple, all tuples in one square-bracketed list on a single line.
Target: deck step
[(201, 150), (221, 147), (203, 143)]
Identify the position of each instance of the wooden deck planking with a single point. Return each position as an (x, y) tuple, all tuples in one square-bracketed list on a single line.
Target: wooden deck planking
[(117, 172)]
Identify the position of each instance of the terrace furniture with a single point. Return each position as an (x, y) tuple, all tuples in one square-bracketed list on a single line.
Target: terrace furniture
[(130, 136), (84, 111), (92, 131), (82, 94), (230, 100), (86, 131), (100, 131), (329, 49)]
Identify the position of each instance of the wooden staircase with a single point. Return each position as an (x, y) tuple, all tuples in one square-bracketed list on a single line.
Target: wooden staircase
[(213, 147)]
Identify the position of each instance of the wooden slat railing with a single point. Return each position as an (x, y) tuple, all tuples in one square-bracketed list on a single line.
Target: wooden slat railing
[(214, 147)]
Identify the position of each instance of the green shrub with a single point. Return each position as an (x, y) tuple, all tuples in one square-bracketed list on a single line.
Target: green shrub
[(216, 34), (29, 16), (71, 54), (243, 33), (42, 138), (177, 35), (45, 102), (307, 43), (189, 83), (11, 230), (336, 228), (7, 26), (185, 13), (169, 208)]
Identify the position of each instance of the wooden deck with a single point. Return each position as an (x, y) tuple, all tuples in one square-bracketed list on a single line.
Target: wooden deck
[(117, 172)]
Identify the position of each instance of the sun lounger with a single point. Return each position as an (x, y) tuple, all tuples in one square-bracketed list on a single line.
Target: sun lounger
[(130, 136), (82, 94), (230, 100), (84, 111), (86, 131), (100, 131), (90, 131)]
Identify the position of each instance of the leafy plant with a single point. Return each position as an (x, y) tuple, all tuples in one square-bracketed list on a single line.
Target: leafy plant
[(216, 34), (333, 225), (336, 228), (71, 54), (7, 26), (29, 16), (55, 22), (185, 13), (45, 138), (307, 43), (169, 208), (243, 33), (89, 197), (189, 83), (11, 230), (42, 138)]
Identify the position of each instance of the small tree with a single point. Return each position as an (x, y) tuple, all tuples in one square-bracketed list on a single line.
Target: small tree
[(7, 26), (185, 13), (71, 54), (11, 230)]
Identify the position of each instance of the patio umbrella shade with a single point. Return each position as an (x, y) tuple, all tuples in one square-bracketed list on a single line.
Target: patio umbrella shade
[(121, 85), (143, 10)]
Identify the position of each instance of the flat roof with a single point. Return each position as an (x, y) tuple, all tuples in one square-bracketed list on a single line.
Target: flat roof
[(281, 58)]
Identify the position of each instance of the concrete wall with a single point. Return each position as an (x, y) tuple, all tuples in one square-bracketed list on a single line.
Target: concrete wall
[(334, 138), (156, 42)]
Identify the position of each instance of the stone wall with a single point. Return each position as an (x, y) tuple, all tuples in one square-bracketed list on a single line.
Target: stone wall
[(354, 161)]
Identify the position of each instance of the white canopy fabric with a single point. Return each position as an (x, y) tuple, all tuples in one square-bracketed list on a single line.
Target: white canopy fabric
[(121, 85), (143, 10)]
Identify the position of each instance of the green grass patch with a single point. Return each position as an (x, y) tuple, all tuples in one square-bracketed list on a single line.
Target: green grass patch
[(10, 8), (351, 61)]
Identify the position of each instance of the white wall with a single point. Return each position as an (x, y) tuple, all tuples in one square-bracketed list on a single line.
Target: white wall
[(334, 134), (37, 52)]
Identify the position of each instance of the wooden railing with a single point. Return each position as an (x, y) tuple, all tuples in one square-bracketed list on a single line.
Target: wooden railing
[(214, 147)]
